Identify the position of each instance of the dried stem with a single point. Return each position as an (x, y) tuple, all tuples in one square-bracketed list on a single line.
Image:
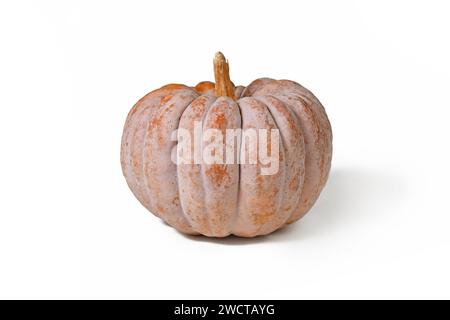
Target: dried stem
[(224, 86)]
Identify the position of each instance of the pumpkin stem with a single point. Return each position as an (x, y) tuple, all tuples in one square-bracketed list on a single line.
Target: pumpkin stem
[(224, 86)]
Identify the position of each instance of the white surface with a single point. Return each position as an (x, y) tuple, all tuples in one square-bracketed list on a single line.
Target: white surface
[(70, 72)]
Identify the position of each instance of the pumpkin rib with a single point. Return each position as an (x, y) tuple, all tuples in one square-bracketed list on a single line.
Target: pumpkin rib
[(151, 113), (146, 102), (134, 142), (141, 176), (126, 145), (144, 154), (278, 109), (148, 105), (258, 194), (282, 154), (193, 178), (202, 178), (160, 173), (125, 151), (307, 201), (238, 211), (220, 180), (325, 134)]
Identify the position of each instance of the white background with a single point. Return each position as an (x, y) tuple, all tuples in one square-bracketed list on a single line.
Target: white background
[(71, 70)]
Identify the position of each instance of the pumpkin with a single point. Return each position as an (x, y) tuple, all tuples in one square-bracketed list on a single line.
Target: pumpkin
[(221, 199)]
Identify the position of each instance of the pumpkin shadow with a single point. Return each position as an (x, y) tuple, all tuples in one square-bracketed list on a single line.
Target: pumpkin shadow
[(351, 194)]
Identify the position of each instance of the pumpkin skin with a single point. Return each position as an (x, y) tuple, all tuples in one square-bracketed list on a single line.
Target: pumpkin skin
[(218, 200)]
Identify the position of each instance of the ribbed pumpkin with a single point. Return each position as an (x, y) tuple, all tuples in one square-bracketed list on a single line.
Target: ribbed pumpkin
[(217, 200)]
